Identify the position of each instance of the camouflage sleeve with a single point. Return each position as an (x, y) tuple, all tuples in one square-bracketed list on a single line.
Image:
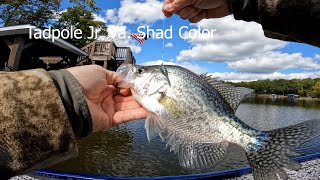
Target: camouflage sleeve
[(74, 102), (289, 20), (35, 130)]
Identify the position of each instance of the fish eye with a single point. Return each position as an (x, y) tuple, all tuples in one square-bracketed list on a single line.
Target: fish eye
[(140, 70)]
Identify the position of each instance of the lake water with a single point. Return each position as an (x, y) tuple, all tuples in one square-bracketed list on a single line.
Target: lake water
[(125, 150)]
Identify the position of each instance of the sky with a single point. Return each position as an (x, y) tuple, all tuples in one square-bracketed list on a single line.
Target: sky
[(228, 49)]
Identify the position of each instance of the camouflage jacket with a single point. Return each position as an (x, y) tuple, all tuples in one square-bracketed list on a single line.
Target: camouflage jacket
[(41, 115), (289, 20)]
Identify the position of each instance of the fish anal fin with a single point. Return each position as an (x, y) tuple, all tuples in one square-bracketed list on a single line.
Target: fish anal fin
[(193, 155), (153, 126), (232, 95)]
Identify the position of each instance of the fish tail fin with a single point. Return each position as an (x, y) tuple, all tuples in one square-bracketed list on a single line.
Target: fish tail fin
[(274, 154)]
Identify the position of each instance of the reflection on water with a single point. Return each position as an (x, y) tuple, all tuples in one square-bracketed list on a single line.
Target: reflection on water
[(125, 150), (94, 152), (284, 101)]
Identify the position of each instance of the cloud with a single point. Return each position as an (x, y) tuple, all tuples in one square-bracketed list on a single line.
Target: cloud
[(233, 40), (169, 44), (191, 66), (130, 12), (243, 46), (98, 17), (111, 16), (234, 76), (237, 77), (134, 12), (274, 61)]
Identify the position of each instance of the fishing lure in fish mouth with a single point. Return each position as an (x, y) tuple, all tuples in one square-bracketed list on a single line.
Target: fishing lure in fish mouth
[(150, 76), (195, 116), (164, 71)]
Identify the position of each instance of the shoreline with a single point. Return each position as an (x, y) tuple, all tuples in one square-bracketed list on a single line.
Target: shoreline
[(282, 96)]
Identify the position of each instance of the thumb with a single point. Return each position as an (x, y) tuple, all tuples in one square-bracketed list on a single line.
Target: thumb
[(113, 78), (123, 84), (166, 8), (173, 6)]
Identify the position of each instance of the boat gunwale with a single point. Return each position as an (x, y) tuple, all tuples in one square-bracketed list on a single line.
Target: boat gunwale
[(236, 172)]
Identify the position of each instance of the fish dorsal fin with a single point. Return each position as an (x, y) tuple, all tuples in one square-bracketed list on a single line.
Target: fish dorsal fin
[(193, 155), (232, 95)]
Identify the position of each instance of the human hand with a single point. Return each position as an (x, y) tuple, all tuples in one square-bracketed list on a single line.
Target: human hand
[(196, 10), (108, 105)]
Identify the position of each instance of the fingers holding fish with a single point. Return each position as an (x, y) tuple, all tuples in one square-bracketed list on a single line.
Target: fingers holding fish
[(119, 98), (121, 106), (113, 78), (124, 92), (128, 115)]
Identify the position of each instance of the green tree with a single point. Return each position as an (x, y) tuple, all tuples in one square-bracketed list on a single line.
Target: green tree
[(35, 12), (81, 16), (316, 89), (304, 87)]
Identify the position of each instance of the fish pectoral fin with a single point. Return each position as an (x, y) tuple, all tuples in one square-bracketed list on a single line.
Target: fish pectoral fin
[(196, 156), (153, 126)]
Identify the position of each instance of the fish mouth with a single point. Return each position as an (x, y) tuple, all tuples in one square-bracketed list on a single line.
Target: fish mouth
[(125, 70), (129, 74)]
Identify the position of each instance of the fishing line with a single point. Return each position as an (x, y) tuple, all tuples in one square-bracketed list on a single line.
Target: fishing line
[(163, 39), (163, 45)]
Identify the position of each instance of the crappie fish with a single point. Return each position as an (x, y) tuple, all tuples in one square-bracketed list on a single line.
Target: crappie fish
[(195, 115)]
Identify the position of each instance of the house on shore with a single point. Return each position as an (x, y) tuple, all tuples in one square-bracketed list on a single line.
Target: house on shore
[(19, 52)]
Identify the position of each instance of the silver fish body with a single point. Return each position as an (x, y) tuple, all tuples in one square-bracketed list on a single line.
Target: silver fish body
[(195, 115)]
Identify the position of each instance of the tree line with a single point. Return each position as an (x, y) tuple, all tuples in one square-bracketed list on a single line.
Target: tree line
[(44, 13), (303, 87)]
